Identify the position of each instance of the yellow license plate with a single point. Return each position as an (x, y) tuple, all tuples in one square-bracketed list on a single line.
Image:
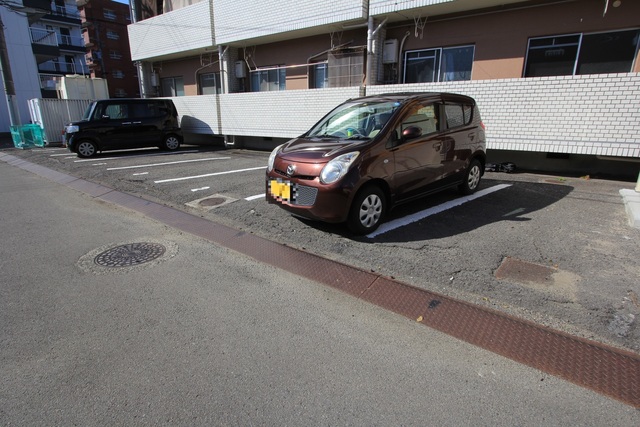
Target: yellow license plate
[(281, 190)]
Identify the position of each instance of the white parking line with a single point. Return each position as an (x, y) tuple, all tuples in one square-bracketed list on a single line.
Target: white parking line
[(140, 173), (257, 196), (168, 163), (400, 222), (139, 155), (207, 175), (200, 189)]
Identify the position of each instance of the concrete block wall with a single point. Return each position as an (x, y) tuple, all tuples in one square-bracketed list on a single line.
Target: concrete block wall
[(592, 114), (283, 114), (182, 30), (253, 19)]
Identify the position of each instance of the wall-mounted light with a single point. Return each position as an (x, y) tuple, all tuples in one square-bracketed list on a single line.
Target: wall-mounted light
[(617, 3)]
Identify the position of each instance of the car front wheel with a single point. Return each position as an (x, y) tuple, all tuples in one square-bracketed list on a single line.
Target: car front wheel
[(171, 142), (471, 178), (86, 149), (367, 210)]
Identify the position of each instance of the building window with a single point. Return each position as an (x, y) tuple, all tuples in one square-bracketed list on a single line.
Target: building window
[(112, 35), (578, 54), (172, 86), (117, 74), (268, 79), (210, 84), (320, 76), (114, 54), (109, 14), (120, 93), (438, 65)]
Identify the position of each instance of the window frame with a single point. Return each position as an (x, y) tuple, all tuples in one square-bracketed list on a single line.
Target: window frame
[(281, 82), (439, 75), (579, 46)]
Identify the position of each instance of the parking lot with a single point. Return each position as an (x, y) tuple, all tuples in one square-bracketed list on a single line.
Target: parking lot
[(555, 250)]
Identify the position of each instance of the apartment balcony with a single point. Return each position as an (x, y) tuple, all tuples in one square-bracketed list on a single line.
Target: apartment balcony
[(62, 67), (44, 44), (244, 22), (395, 11), (177, 34), (67, 14), (71, 43)]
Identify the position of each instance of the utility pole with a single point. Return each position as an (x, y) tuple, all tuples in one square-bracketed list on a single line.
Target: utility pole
[(7, 79)]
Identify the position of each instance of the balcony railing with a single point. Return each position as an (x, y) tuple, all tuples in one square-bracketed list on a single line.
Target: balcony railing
[(64, 67), (42, 36), (66, 11), (49, 81), (71, 41)]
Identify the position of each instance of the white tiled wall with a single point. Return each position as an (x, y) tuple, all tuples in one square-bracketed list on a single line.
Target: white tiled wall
[(179, 31), (597, 114), (238, 20), (594, 114)]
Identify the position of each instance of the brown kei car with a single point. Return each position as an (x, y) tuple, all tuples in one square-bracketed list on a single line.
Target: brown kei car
[(372, 153)]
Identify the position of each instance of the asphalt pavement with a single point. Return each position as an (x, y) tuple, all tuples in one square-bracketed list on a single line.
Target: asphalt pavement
[(203, 335)]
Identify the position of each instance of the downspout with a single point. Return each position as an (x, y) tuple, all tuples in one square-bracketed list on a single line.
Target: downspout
[(371, 33), (400, 69)]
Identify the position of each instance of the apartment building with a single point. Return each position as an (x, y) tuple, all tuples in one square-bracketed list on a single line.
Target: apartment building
[(558, 81), (104, 30), (43, 42)]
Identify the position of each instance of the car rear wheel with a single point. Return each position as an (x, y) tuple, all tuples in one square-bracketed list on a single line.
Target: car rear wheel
[(367, 210), (471, 178), (87, 149), (171, 142)]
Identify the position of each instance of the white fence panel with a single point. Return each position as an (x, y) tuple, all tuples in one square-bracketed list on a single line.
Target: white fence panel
[(53, 114)]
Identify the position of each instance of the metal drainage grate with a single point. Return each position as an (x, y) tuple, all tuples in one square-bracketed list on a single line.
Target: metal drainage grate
[(130, 255)]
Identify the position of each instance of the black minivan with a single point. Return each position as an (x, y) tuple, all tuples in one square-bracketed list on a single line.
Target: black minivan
[(112, 124)]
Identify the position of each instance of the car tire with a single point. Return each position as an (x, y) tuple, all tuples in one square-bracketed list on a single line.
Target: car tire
[(367, 210), (171, 143), (86, 149), (471, 178)]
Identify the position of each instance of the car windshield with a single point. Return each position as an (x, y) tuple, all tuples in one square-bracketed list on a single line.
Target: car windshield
[(88, 111), (355, 120)]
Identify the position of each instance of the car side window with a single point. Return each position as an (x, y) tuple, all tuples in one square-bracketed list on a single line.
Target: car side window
[(458, 114), (117, 111), (424, 117)]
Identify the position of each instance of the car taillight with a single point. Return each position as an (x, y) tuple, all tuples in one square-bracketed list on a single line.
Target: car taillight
[(482, 125)]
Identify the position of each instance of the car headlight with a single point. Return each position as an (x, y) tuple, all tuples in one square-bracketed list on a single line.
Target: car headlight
[(337, 168), (72, 129), (272, 157)]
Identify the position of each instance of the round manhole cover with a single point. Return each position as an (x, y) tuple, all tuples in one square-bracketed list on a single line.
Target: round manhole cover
[(212, 201), (130, 255)]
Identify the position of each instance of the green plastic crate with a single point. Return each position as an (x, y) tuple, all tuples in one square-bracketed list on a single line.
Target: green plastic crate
[(27, 136)]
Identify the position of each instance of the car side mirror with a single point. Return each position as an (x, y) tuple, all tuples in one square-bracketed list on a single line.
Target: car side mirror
[(412, 132)]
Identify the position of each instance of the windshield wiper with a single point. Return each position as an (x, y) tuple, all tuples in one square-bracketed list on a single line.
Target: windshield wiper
[(324, 136)]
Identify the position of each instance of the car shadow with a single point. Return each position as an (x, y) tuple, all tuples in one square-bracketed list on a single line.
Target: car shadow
[(512, 204)]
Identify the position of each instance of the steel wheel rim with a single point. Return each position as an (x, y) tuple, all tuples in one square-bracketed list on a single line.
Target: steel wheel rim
[(370, 210), (474, 177), (86, 149), (172, 143)]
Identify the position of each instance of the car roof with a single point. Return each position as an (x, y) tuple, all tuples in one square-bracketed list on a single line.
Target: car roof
[(405, 97)]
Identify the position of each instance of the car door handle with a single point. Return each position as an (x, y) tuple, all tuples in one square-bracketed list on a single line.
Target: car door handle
[(136, 123), (126, 123), (437, 146)]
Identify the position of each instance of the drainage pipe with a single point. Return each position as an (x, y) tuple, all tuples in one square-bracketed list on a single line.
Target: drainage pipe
[(371, 34)]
